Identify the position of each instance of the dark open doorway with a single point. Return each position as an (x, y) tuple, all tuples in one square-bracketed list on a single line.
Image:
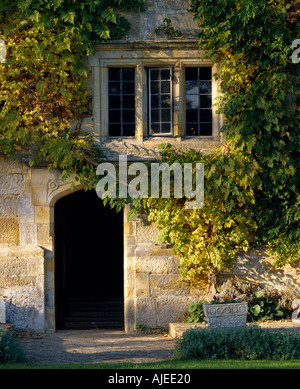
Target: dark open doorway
[(88, 263)]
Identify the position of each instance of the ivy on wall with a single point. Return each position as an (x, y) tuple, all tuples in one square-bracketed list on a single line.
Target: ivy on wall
[(44, 81), (251, 180), (251, 194), (251, 41)]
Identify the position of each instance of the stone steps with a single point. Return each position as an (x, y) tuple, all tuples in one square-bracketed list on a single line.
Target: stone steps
[(95, 313)]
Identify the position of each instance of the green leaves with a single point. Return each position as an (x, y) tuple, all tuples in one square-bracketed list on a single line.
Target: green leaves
[(251, 41), (262, 308), (43, 84), (196, 314)]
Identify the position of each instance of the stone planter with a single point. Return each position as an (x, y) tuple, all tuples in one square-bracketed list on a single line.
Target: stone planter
[(226, 315)]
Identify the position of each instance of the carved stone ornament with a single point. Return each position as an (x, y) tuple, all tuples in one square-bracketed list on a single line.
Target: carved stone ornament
[(226, 315)]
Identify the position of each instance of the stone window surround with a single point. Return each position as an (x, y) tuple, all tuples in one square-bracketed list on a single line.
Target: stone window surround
[(140, 55)]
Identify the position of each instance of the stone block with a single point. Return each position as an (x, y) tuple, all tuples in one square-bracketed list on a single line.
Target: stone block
[(161, 284), (173, 265), (11, 184), (22, 276), (43, 235), (146, 311), (157, 251), (8, 251), (39, 195), (129, 315), (143, 251), (12, 267), (10, 166), (151, 265), (9, 228), (49, 320), (142, 285), (8, 206), (170, 309), (129, 228), (129, 251), (28, 233), (25, 209), (147, 233)]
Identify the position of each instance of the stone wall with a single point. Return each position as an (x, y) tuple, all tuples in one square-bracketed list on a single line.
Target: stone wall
[(154, 293), (22, 285), (143, 24), (21, 260), (257, 266), (153, 285), (158, 296)]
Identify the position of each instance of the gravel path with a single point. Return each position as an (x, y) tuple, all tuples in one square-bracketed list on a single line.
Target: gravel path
[(90, 346), (98, 345)]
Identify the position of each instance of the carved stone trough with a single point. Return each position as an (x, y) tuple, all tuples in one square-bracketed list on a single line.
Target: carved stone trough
[(226, 314)]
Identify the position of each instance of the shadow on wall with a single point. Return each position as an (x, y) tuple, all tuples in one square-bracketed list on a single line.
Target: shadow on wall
[(24, 318)]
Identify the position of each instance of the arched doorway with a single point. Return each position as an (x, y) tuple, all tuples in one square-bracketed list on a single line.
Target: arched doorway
[(88, 263)]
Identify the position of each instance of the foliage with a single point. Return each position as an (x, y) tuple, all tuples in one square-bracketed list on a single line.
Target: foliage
[(263, 308), (44, 82), (264, 303), (140, 327), (216, 300), (251, 181), (251, 41), (10, 351), (196, 314), (248, 343), (205, 239)]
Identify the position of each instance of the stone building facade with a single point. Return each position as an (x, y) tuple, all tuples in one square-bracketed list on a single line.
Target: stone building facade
[(154, 102)]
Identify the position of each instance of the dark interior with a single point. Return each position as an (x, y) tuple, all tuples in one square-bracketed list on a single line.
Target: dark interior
[(88, 263)]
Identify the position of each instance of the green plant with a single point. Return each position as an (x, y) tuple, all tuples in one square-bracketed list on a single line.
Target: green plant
[(249, 343), (140, 327), (216, 300), (251, 195), (196, 314), (251, 42), (10, 351), (250, 181), (262, 308), (44, 83)]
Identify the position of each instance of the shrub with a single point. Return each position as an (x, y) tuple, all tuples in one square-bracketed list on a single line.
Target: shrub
[(248, 343), (10, 350)]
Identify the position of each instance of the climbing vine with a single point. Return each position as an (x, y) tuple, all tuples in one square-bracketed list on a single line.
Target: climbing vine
[(44, 81), (251, 180), (251, 41), (251, 195)]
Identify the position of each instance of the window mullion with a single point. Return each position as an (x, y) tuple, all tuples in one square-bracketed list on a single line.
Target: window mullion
[(121, 101), (160, 101)]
